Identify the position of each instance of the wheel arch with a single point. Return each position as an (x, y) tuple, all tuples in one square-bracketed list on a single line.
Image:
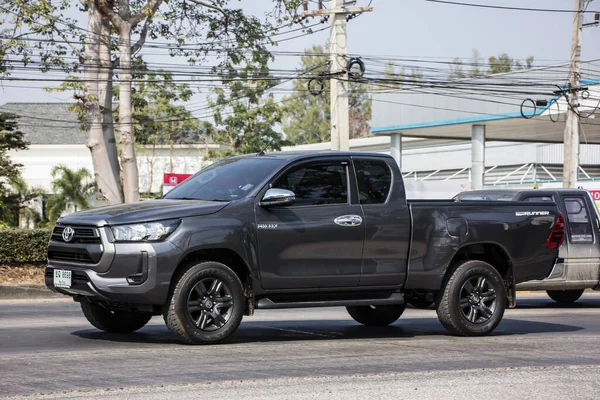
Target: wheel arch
[(222, 255), (492, 253)]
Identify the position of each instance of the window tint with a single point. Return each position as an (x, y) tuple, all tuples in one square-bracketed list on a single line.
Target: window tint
[(226, 180), (374, 181), (539, 198), (316, 184), (580, 228)]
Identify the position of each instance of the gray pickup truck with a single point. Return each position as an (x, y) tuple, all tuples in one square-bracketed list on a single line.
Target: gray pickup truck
[(578, 267), (299, 230)]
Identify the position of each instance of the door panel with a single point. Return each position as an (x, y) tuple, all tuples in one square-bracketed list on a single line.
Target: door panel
[(307, 249), (302, 245), (387, 223)]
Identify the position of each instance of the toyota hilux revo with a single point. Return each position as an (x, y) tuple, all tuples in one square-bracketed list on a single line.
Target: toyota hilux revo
[(288, 230)]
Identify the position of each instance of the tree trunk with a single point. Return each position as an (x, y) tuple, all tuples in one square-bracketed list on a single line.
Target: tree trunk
[(106, 101), (171, 157), (126, 138), (96, 87)]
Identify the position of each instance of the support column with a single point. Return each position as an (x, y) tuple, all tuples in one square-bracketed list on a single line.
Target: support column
[(396, 148), (477, 156)]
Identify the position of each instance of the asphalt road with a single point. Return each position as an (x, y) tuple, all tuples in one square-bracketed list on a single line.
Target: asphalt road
[(541, 350)]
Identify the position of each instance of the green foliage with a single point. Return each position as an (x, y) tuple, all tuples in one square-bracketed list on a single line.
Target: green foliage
[(11, 138), (245, 114), (69, 187), (14, 202), (503, 63), (23, 246), (307, 117), (157, 117), (61, 42), (394, 76)]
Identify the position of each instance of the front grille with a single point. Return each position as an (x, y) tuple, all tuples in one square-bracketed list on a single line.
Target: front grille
[(75, 255), (82, 235)]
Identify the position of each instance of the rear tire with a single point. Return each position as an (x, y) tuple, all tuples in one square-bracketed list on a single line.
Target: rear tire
[(114, 321), (473, 300), (206, 305), (565, 296), (376, 315)]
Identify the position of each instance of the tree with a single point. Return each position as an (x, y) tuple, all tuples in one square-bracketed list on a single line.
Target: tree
[(17, 203), (214, 25), (503, 63), (11, 138), (476, 71), (70, 187), (245, 115), (456, 69), (394, 76), (307, 117)]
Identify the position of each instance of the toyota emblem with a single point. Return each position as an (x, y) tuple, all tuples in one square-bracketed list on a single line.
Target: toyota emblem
[(68, 233)]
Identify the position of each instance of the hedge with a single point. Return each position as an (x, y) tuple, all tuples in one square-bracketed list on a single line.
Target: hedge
[(23, 246)]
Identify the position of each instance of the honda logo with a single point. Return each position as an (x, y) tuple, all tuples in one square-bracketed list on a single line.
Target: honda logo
[(68, 233)]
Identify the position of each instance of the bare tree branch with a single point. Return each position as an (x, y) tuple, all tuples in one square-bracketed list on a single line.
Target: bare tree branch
[(212, 6), (142, 40)]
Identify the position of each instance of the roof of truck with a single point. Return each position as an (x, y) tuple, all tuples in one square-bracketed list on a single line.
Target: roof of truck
[(294, 155)]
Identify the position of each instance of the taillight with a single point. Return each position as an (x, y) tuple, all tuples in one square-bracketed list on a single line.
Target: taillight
[(557, 235)]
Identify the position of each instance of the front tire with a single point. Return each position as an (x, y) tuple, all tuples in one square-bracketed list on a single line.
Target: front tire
[(565, 296), (207, 304), (376, 315), (473, 300), (114, 321)]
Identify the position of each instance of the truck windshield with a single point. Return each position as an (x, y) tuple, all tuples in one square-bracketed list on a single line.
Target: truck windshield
[(226, 180)]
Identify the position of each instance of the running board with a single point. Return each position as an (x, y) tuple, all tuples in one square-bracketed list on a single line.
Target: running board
[(268, 304)]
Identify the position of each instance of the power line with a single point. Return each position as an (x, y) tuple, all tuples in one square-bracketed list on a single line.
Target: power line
[(455, 3)]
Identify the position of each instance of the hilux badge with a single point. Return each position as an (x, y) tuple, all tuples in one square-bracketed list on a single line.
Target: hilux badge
[(68, 233)]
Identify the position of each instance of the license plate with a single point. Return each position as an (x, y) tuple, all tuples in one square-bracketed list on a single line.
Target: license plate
[(62, 278)]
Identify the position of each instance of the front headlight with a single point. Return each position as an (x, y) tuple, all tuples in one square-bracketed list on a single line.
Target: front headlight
[(150, 231)]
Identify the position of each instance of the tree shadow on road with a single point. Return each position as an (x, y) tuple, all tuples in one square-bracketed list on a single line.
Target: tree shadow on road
[(311, 330)]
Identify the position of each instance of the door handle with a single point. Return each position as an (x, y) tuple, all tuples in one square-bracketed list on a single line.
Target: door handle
[(349, 220)]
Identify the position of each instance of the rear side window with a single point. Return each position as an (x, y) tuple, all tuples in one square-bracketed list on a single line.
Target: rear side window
[(316, 184), (580, 227), (374, 180)]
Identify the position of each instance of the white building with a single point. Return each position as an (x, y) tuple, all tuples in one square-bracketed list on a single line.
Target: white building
[(56, 139)]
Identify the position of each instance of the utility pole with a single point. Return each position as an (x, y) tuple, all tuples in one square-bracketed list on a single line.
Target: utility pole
[(571, 138), (338, 52)]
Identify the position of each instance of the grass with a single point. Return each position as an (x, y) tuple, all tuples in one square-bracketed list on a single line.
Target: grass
[(25, 274)]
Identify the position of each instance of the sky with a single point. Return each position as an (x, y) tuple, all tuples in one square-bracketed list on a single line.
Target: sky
[(416, 29)]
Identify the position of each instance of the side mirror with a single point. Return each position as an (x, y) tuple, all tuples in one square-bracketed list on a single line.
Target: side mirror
[(277, 197)]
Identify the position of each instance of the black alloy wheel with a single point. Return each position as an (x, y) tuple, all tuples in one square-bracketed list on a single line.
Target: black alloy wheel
[(210, 304), (478, 299)]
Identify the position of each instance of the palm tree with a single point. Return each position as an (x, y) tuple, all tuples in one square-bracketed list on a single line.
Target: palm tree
[(69, 186), (22, 194)]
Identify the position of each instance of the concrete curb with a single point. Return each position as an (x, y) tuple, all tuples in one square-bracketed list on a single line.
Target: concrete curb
[(10, 292)]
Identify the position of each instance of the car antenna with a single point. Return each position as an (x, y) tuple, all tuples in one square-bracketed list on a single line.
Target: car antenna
[(262, 152)]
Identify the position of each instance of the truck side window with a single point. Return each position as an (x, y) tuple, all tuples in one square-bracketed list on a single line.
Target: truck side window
[(580, 228), (374, 180), (538, 198), (316, 184)]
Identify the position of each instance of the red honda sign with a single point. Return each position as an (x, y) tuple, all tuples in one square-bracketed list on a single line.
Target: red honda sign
[(174, 179)]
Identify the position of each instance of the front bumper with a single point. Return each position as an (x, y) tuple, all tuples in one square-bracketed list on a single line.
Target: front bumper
[(138, 273)]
